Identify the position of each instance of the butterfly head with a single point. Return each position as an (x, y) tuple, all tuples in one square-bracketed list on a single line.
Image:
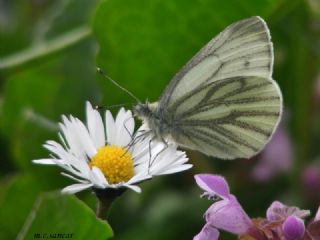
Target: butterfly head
[(144, 110)]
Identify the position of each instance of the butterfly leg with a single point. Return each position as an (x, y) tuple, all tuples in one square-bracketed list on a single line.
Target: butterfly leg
[(150, 154), (132, 136), (125, 127), (166, 146)]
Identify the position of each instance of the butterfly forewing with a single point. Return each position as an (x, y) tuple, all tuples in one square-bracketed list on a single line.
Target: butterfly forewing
[(242, 49), (229, 119)]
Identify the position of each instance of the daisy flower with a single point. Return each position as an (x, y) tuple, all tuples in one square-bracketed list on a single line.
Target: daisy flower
[(104, 155)]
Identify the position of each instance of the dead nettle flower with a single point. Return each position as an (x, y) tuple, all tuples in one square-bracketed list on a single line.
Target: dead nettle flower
[(104, 156), (225, 213), (282, 222), (313, 228), (285, 221), (288, 223)]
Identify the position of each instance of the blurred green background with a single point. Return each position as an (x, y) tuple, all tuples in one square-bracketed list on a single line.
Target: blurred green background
[(49, 50)]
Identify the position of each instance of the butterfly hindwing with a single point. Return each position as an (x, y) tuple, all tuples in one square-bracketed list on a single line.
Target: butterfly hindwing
[(228, 119)]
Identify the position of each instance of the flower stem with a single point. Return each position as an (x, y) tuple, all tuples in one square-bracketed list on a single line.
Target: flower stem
[(102, 209), (105, 199)]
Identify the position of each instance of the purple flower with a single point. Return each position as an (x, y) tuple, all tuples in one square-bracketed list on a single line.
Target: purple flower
[(213, 185), (207, 233), (226, 213), (291, 219), (281, 223), (272, 211), (313, 228), (317, 217), (278, 211), (293, 228)]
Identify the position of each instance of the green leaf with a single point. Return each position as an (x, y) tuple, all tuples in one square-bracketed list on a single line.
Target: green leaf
[(29, 26), (36, 94), (144, 43), (55, 213), (167, 214), (16, 199), (35, 98)]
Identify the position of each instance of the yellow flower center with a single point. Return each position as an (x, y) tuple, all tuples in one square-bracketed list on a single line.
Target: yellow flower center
[(115, 163)]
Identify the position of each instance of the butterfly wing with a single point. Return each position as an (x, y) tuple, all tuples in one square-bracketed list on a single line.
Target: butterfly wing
[(223, 102), (233, 118), (242, 49)]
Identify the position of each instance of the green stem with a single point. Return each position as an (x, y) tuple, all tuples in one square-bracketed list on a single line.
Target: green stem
[(105, 199), (102, 209), (46, 48)]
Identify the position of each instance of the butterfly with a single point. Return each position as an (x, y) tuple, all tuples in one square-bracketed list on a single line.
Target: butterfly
[(223, 102)]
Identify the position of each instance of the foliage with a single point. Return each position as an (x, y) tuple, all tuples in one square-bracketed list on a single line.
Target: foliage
[(48, 55)]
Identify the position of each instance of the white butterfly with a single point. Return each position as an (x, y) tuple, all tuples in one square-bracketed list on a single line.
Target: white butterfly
[(223, 102)]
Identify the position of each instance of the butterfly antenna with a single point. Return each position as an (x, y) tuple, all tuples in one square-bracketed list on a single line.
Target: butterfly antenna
[(99, 70), (112, 106)]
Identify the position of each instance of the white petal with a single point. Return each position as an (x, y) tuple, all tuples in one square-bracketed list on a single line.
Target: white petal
[(127, 129), (142, 168), (141, 149), (65, 145), (123, 134), (82, 167), (72, 164), (84, 138), (76, 188), (98, 178), (167, 160), (74, 146), (119, 125), (70, 130), (73, 178), (139, 177), (133, 187), (56, 149), (175, 169), (140, 154), (67, 158), (77, 137), (164, 159), (110, 129), (130, 123), (95, 126), (47, 161)]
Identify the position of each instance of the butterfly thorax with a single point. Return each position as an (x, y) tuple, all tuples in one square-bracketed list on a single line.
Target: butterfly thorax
[(157, 121)]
